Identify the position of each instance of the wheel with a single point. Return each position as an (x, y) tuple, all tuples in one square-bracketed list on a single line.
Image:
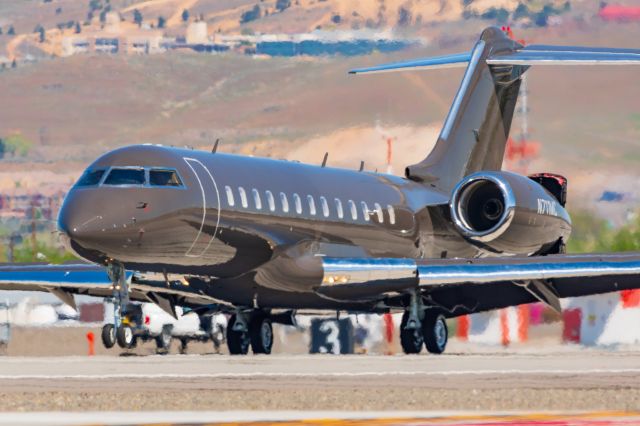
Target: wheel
[(237, 341), (261, 333), (163, 341), (108, 336), (410, 340), (124, 337), (435, 331)]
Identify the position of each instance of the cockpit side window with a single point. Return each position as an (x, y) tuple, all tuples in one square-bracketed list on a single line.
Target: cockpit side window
[(128, 176), (91, 177), (160, 177)]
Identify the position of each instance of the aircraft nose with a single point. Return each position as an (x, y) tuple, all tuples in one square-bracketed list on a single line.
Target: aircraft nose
[(76, 225)]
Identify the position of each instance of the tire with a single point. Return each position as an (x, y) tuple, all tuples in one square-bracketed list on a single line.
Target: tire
[(163, 341), (237, 341), (125, 337), (410, 340), (108, 336), (435, 331), (261, 334)]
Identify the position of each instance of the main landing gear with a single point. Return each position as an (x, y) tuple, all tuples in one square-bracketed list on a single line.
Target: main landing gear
[(252, 329), (246, 330), (422, 326)]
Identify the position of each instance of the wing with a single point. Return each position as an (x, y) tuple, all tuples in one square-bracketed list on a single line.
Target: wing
[(65, 281), (461, 286)]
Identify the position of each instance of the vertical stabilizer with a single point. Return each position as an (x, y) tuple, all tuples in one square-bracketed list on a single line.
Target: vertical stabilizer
[(475, 133), (476, 130)]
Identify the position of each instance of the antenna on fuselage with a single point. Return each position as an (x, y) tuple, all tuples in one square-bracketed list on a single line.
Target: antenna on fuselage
[(215, 146), (361, 166), (324, 160)]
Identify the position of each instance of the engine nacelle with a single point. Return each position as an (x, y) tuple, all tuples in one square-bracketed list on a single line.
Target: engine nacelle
[(507, 213)]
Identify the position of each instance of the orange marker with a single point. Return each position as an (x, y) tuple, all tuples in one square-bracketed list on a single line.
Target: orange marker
[(91, 340)]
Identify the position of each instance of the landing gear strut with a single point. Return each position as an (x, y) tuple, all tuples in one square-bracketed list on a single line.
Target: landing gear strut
[(123, 333)]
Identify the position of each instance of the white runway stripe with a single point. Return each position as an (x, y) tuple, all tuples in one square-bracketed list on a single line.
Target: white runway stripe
[(258, 374)]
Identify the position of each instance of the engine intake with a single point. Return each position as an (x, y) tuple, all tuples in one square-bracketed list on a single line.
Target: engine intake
[(482, 205), (504, 212)]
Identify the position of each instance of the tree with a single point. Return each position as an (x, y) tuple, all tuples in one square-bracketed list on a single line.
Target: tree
[(162, 22), (42, 35), (185, 15), (282, 5), (95, 5), (541, 19), (250, 15), (16, 145), (137, 17), (404, 17), (522, 11), (336, 19), (11, 31), (78, 28)]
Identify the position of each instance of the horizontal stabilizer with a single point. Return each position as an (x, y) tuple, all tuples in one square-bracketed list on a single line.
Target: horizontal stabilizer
[(530, 55), (447, 61), (566, 55)]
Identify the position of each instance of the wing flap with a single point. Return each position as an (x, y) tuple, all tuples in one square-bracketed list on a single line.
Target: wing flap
[(473, 285)]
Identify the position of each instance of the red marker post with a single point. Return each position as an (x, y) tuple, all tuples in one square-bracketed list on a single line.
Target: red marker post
[(91, 339)]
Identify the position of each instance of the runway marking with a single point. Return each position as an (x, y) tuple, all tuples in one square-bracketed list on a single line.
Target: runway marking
[(258, 374), (289, 418)]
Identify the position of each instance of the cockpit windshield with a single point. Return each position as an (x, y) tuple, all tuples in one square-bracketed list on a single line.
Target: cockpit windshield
[(127, 176), (90, 177), (131, 176), (158, 177)]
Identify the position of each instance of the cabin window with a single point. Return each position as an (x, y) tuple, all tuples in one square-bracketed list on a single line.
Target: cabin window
[(90, 177), (159, 177), (125, 177), (256, 199), (285, 202), (298, 203), (365, 211), (325, 206), (271, 201), (378, 209), (243, 197), (230, 199), (392, 214), (312, 205), (354, 210), (339, 208)]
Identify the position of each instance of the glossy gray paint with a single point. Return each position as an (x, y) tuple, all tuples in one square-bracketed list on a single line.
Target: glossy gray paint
[(262, 257)]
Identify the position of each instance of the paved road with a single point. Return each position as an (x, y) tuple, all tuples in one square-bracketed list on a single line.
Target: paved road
[(579, 379)]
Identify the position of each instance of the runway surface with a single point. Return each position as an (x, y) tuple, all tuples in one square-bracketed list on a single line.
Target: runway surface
[(291, 418), (565, 380)]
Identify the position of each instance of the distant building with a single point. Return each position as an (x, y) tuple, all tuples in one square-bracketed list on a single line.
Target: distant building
[(72, 45), (197, 33)]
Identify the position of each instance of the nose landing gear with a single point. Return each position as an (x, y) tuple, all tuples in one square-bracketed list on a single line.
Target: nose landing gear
[(118, 332)]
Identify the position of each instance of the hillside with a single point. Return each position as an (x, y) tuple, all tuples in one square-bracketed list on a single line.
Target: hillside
[(75, 108)]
